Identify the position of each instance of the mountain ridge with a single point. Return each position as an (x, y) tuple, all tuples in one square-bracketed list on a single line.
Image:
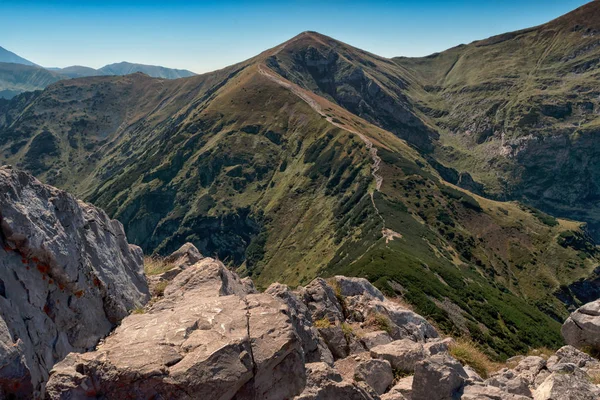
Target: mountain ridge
[(312, 158)]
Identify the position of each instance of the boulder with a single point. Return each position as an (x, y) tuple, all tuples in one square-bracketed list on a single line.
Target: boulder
[(324, 383), (569, 354), (582, 328), (402, 354), (439, 377), (335, 339), (349, 287), (376, 338), (321, 301), (206, 338), (401, 390), (436, 346), (376, 373), (509, 382), (480, 391), (67, 277), (568, 386), (186, 256), (403, 323), (314, 347)]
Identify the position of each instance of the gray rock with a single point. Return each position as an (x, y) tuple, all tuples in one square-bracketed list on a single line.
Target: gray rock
[(186, 256), (402, 354), (314, 347), (439, 377), (321, 301), (566, 386), (67, 275), (485, 392), (324, 383), (569, 354), (357, 286), (582, 328), (376, 373), (335, 339), (377, 338), (511, 383), (472, 374), (436, 346), (404, 323), (401, 390), (206, 338)]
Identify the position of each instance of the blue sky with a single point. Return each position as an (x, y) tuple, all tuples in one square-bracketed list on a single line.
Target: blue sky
[(206, 35)]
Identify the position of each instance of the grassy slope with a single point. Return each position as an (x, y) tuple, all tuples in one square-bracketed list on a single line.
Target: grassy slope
[(519, 112), (248, 171)]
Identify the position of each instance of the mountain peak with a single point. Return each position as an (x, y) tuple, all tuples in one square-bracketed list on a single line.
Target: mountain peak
[(7, 56)]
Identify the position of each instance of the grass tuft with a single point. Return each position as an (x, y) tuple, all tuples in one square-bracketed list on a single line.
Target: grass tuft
[(156, 265), (322, 323), (469, 354)]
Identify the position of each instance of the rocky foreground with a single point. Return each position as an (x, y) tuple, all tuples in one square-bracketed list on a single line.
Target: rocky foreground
[(68, 277), (212, 336)]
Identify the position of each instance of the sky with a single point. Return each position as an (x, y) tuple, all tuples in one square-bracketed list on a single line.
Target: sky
[(204, 36)]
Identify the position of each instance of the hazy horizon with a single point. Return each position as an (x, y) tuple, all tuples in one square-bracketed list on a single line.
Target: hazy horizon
[(205, 36)]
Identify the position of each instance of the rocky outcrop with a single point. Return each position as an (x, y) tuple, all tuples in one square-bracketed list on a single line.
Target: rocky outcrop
[(212, 336), (67, 277), (582, 328)]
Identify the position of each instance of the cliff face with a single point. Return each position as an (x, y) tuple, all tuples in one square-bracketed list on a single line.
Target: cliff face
[(67, 277)]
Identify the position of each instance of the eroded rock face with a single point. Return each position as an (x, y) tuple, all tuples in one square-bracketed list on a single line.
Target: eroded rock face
[(207, 338), (67, 277), (582, 328)]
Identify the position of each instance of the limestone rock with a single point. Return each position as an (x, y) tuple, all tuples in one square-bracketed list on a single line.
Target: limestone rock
[(321, 301), (314, 347), (186, 256), (582, 328), (568, 386), (324, 383), (349, 287), (401, 390), (376, 338), (436, 346), (439, 377), (402, 354), (485, 392), (376, 373), (207, 338), (67, 276)]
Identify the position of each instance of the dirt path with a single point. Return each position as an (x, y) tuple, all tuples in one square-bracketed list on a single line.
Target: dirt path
[(387, 233)]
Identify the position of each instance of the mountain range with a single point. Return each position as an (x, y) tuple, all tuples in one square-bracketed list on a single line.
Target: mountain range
[(18, 75), (455, 180)]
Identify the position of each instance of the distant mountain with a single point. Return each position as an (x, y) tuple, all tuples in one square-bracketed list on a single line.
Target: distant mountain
[(10, 57), (77, 71), (19, 78), (125, 68)]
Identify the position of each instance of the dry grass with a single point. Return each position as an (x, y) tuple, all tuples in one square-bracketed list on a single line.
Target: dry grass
[(379, 321), (322, 323), (468, 353), (159, 289), (156, 265), (543, 352), (595, 378)]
